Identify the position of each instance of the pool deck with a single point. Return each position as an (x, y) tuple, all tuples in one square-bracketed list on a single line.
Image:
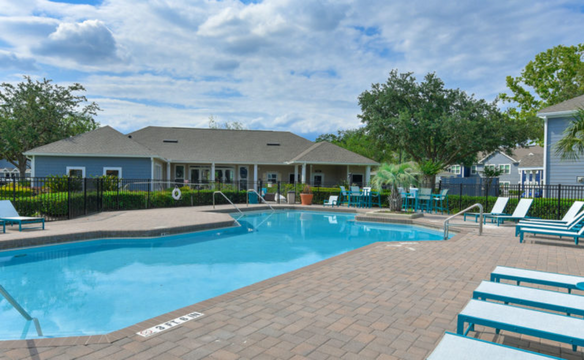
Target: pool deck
[(382, 301)]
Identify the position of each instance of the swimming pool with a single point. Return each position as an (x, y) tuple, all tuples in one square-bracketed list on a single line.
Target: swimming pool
[(99, 286)]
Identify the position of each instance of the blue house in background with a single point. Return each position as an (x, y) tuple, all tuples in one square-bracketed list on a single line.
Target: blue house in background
[(8, 171), (557, 118)]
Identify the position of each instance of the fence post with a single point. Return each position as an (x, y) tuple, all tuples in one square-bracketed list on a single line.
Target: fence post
[(559, 200), (148, 195), (13, 189), (68, 197), (118, 193), (279, 189), (487, 195), (460, 198)]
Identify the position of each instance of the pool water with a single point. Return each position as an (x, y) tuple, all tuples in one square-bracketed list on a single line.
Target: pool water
[(96, 287)]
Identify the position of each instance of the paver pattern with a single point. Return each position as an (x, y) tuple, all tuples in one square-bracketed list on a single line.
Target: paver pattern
[(379, 302)]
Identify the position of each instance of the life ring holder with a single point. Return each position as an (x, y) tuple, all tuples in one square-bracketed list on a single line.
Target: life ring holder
[(176, 194)]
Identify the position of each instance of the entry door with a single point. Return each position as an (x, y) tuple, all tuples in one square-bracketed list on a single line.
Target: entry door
[(317, 179), (243, 177)]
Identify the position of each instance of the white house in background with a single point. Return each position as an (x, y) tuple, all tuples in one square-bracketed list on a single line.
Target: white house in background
[(557, 118)]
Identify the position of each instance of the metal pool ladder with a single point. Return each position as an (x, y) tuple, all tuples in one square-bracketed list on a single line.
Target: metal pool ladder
[(447, 221), (226, 198), (19, 308)]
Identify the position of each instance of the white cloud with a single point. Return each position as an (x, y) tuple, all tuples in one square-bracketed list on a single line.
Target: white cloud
[(283, 64)]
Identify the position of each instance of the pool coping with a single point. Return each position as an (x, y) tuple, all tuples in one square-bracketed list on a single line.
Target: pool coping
[(132, 330)]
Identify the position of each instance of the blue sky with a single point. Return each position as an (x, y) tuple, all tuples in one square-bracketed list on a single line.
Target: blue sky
[(296, 65)]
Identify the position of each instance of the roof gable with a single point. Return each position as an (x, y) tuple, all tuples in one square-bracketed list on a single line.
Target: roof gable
[(325, 152), (565, 107), (105, 141)]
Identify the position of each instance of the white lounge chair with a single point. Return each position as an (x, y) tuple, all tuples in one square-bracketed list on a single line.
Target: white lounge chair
[(498, 209), (9, 215), (332, 201), (571, 214), (520, 212), (456, 347)]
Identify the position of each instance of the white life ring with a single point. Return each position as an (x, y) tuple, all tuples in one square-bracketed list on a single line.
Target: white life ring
[(176, 193)]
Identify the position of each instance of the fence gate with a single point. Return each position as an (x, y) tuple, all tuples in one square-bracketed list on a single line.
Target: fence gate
[(84, 197)]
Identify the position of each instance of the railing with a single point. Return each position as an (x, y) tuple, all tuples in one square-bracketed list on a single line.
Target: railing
[(226, 198), (447, 221), (19, 308), (259, 196)]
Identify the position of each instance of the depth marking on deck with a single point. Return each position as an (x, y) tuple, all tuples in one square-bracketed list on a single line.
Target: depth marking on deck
[(169, 324)]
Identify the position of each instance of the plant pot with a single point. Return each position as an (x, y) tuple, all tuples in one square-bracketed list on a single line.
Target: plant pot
[(306, 199)]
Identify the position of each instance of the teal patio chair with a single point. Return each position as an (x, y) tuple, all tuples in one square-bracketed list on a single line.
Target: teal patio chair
[(344, 196), (439, 201), (424, 200)]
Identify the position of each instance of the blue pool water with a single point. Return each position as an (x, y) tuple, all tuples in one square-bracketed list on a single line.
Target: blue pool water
[(95, 287)]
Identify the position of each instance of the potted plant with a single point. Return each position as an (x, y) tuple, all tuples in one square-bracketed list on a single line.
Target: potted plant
[(306, 195)]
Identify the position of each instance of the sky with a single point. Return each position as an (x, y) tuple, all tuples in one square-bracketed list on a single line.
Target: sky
[(293, 65)]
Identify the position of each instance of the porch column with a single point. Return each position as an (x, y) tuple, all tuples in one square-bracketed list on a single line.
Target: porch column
[(303, 173), (368, 175), (168, 177), (255, 176), (295, 173), (212, 172), (348, 177)]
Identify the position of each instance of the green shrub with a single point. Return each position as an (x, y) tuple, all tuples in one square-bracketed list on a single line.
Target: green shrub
[(15, 190)]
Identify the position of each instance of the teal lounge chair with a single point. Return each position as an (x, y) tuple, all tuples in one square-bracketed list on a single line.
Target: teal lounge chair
[(519, 275), (332, 201), (520, 212), (555, 327), (9, 215), (551, 231), (532, 297), (572, 213), (3, 226), (498, 209), (457, 347)]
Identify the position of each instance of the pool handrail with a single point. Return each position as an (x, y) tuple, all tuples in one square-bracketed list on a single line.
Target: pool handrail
[(226, 198), (19, 308), (447, 221), (261, 197)]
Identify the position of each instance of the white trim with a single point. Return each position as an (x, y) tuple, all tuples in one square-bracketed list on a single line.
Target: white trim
[(303, 178), (531, 168), (95, 155), (557, 113), (329, 163), (476, 170), (255, 174), (500, 152), (82, 168), (312, 175), (119, 169), (32, 167)]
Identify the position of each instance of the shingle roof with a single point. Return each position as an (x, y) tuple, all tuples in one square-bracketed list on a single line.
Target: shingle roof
[(103, 141), (325, 152), (532, 161), (568, 105), (516, 155)]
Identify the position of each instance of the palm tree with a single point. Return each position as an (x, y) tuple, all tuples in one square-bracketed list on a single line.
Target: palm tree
[(571, 146), (396, 175)]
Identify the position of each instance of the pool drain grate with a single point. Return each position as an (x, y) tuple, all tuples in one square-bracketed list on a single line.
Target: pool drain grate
[(169, 324)]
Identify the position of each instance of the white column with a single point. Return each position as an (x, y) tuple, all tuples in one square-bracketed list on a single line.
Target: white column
[(168, 177), (32, 167), (255, 175), (368, 175), (212, 172), (151, 172), (295, 173), (303, 179), (348, 172)]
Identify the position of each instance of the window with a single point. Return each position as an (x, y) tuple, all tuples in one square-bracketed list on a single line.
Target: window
[(291, 178), (506, 169), (504, 185), (490, 166), (318, 179), (272, 178), (113, 171), (357, 179), (179, 172), (76, 171), (473, 170), (456, 169)]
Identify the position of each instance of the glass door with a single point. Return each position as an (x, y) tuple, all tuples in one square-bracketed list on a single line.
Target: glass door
[(243, 177)]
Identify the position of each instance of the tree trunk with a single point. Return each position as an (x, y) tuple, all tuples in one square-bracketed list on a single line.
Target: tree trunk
[(430, 181), (395, 201), (22, 161)]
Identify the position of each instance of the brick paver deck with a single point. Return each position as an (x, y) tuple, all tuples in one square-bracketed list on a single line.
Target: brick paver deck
[(383, 301)]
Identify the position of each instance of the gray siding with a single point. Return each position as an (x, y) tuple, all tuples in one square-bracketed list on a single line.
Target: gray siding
[(557, 171), (500, 159), (132, 168)]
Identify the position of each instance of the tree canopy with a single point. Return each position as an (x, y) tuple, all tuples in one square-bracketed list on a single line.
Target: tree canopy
[(433, 125), (35, 113), (358, 141), (553, 76), (571, 145), (228, 125)]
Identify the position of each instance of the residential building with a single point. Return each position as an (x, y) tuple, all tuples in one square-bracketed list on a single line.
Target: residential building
[(557, 118), (200, 156)]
